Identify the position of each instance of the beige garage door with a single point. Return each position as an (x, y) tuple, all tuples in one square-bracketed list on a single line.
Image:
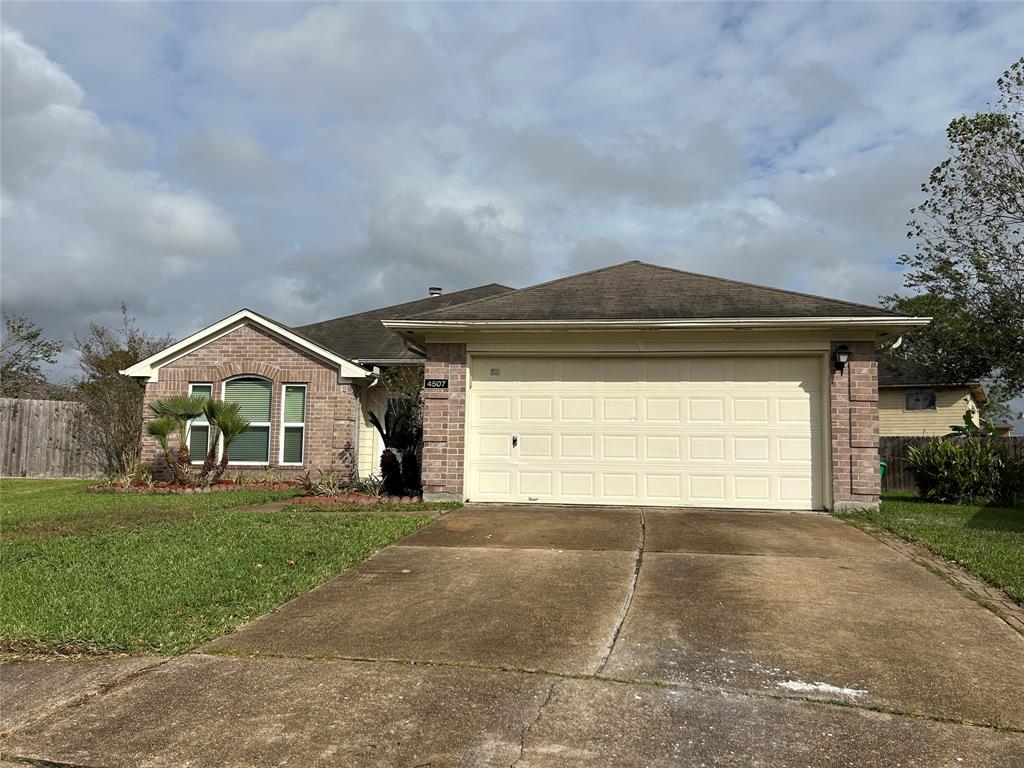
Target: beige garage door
[(698, 431)]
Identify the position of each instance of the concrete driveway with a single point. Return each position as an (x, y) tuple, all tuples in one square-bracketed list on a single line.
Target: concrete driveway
[(570, 637)]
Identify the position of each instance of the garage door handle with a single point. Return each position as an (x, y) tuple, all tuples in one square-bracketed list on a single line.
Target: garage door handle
[(515, 441)]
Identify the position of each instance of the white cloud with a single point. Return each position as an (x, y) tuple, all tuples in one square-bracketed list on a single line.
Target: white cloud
[(314, 161), (83, 228)]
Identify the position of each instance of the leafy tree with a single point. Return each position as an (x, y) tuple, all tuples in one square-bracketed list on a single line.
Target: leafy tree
[(969, 257), (23, 350), (113, 401)]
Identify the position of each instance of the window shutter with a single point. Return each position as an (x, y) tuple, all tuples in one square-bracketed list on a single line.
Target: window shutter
[(253, 397), (294, 404)]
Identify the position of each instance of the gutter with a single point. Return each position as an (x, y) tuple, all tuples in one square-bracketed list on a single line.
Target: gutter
[(682, 324)]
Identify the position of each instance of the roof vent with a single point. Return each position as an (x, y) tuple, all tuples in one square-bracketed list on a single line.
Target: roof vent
[(434, 291)]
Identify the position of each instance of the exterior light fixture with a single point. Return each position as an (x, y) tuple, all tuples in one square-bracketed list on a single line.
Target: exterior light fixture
[(842, 357)]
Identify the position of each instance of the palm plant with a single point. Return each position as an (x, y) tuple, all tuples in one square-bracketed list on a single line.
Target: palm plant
[(230, 424), (402, 433), (181, 409), (161, 428)]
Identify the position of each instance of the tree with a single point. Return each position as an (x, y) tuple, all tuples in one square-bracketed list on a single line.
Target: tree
[(112, 401), (969, 256), (23, 350)]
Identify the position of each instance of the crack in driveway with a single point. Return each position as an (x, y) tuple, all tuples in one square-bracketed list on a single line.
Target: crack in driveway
[(526, 731), (629, 594)]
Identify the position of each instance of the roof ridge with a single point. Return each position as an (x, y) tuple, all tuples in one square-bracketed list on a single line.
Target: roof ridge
[(414, 301), (766, 287), (537, 285)]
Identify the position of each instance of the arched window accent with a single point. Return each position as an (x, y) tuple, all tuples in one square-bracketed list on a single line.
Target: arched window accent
[(254, 396)]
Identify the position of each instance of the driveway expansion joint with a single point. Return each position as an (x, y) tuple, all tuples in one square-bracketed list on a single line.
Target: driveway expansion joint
[(648, 683), (629, 594)]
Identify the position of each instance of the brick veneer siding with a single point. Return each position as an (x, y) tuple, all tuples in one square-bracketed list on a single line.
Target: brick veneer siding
[(854, 411), (331, 408), (444, 420)]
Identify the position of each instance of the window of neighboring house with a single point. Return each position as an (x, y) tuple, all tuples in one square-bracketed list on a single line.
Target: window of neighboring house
[(198, 429), (920, 400), (253, 396), (293, 424)]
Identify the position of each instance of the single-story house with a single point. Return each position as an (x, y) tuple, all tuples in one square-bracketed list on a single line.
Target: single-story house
[(632, 384), (912, 403)]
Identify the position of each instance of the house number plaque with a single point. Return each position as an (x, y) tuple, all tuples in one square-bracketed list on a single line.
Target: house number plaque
[(435, 384)]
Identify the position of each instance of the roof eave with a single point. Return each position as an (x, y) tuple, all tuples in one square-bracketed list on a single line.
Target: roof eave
[(889, 324)]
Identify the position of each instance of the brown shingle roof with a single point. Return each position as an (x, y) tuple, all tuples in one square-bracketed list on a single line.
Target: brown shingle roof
[(362, 337), (639, 291)]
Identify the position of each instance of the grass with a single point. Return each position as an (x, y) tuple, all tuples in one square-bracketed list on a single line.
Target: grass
[(988, 541), (163, 574)]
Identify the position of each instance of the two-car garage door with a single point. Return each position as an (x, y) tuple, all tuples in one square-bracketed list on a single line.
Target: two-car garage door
[(693, 431)]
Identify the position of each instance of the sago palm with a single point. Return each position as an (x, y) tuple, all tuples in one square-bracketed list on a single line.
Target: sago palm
[(179, 410), (231, 425)]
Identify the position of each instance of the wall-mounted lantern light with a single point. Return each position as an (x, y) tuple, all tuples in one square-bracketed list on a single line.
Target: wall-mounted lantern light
[(842, 357)]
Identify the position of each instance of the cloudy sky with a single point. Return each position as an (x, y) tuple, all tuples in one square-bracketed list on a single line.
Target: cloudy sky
[(309, 161)]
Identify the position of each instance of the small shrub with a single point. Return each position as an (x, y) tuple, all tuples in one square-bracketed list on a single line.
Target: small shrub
[(964, 470), (372, 485)]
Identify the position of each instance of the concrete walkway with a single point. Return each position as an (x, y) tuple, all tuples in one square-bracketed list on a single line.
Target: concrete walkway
[(564, 637)]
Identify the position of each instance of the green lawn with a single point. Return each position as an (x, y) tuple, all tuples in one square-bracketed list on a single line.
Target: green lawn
[(989, 541), (163, 574)]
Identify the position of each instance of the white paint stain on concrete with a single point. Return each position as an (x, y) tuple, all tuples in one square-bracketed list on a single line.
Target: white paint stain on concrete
[(800, 686)]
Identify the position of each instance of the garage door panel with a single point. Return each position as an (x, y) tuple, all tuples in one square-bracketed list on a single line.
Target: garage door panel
[(715, 432), (580, 409), (619, 447), (663, 447), (706, 410), (494, 408), (536, 408), (618, 409), (662, 410), (707, 448)]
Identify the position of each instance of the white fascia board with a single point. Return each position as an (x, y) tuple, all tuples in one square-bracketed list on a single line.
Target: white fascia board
[(149, 368), (722, 323)]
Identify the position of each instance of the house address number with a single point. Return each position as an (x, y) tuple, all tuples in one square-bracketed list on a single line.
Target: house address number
[(435, 384)]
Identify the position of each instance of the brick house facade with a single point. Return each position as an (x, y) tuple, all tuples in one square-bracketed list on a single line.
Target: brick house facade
[(332, 408)]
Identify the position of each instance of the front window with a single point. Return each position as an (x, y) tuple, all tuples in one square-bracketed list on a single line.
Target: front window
[(920, 400), (199, 427), (293, 423), (254, 399)]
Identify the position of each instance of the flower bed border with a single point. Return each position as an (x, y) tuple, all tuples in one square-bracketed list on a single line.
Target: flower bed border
[(356, 498), (176, 490)]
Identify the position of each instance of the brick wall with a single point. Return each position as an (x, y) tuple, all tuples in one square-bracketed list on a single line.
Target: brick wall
[(854, 410), (444, 419), (331, 408)]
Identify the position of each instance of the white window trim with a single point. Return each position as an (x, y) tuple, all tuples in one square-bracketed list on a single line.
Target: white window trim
[(220, 439), (305, 406), (188, 427)]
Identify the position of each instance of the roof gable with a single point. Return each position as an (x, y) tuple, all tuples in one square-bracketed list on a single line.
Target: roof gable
[(150, 367), (362, 337), (639, 291)]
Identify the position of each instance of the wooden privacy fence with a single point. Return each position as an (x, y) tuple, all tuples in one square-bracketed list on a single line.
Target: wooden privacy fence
[(893, 451), (43, 438)]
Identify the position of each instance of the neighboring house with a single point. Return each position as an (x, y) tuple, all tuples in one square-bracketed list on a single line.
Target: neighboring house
[(914, 404), (633, 384)]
